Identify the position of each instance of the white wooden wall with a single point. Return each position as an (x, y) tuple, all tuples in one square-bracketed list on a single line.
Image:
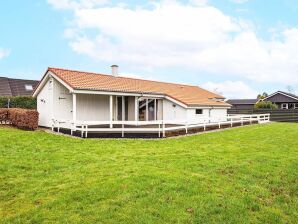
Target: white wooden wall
[(181, 113), (44, 105), (62, 102), (93, 107), (171, 112)]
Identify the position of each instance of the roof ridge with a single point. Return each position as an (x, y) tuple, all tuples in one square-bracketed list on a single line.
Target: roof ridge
[(290, 94), (18, 79), (71, 70)]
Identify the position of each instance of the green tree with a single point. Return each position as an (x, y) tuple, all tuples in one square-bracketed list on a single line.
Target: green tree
[(265, 105), (262, 96)]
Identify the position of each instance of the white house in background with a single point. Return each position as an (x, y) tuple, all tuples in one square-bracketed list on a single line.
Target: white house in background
[(72, 97)]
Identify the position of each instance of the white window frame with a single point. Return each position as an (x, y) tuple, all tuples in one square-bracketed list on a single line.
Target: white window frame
[(28, 87), (284, 106)]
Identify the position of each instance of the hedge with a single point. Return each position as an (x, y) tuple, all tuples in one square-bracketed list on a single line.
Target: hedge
[(21, 118), (26, 102)]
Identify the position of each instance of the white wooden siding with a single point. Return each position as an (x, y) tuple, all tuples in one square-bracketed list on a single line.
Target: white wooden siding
[(44, 105), (62, 102), (172, 111), (93, 107)]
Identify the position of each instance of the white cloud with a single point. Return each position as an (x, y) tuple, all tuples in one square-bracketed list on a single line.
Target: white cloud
[(231, 89), (4, 53), (169, 34), (199, 2)]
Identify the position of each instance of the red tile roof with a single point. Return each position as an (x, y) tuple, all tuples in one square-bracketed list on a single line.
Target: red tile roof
[(189, 95)]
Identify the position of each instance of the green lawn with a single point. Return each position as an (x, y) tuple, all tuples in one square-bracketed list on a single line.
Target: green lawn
[(241, 175)]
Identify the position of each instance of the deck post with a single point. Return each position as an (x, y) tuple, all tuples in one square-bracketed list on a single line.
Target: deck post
[(123, 108), (136, 108), (74, 111), (155, 111), (163, 129), (111, 111), (159, 130), (122, 134), (147, 114)]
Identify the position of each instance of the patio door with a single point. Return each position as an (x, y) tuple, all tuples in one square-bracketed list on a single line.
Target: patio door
[(148, 109)]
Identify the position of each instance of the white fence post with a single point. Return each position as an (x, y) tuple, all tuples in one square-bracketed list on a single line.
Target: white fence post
[(122, 131), (186, 127), (159, 130)]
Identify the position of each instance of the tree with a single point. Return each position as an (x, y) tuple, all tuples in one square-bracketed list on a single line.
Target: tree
[(265, 105), (290, 89), (262, 96)]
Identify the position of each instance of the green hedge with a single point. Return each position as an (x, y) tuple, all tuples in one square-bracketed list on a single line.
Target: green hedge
[(26, 102)]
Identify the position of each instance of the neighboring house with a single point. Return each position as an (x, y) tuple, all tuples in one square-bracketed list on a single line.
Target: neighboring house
[(283, 100), (76, 96), (240, 104), (17, 87)]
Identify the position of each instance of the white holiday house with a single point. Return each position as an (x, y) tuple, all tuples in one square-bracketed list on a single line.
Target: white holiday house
[(91, 102)]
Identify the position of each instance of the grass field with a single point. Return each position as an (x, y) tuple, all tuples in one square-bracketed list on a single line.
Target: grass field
[(241, 175)]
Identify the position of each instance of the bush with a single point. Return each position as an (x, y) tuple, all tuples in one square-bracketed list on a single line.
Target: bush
[(24, 119), (21, 118), (3, 115), (26, 102), (265, 105)]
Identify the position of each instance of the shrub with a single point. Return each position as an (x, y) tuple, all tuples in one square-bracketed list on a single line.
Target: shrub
[(23, 118), (26, 102), (265, 105), (3, 115)]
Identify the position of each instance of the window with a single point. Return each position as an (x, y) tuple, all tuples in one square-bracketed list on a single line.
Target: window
[(28, 87), (199, 111), (296, 105), (284, 106)]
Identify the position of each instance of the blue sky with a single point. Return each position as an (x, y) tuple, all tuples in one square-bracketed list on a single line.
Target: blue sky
[(235, 47)]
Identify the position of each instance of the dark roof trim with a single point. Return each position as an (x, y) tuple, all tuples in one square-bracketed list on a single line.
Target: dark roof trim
[(283, 93)]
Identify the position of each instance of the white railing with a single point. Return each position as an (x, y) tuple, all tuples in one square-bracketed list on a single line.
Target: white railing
[(158, 126)]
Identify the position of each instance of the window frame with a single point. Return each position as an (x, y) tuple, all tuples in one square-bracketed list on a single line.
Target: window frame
[(201, 111), (284, 104), (28, 87)]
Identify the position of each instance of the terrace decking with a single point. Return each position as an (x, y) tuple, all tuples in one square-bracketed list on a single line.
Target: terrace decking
[(154, 128)]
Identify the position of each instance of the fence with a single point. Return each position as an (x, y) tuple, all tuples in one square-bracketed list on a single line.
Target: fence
[(160, 126), (275, 115)]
